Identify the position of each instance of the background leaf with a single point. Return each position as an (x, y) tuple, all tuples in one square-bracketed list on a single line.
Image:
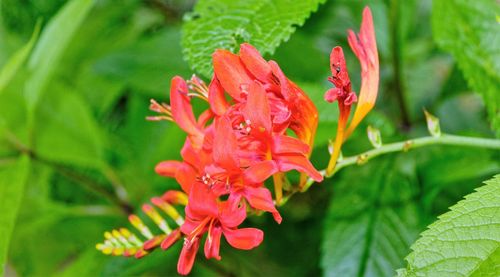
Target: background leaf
[(227, 23), (469, 30), (465, 240), (371, 237), (12, 180), (53, 41)]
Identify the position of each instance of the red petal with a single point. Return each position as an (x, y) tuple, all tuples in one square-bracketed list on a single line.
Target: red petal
[(254, 62), (259, 172), (232, 215), (225, 144), (182, 111), (286, 144), (245, 238), (168, 168), (332, 95), (188, 254), (260, 199), (299, 163), (285, 88), (216, 97), (257, 109), (202, 202), (186, 177), (230, 72), (171, 239), (212, 243)]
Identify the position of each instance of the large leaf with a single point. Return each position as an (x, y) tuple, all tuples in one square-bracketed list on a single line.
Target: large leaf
[(469, 30), (10, 69), (49, 49), (227, 23), (67, 132), (12, 180), (372, 220), (464, 241)]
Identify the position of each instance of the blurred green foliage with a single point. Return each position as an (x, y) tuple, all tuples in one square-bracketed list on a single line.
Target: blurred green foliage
[(76, 107)]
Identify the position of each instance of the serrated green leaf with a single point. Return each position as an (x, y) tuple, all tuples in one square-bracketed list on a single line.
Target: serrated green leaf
[(469, 30), (12, 181), (225, 24), (51, 45), (464, 241), (10, 69), (372, 220)]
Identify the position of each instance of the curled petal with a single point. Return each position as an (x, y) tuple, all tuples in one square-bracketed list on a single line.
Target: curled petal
[(260, 199), (231, 73), (299, 163), (254, 62), (350, 99), (332, 94), (168, 168), (286, 144), (245, 238), (259, 172), (212, 243), (187, 256)]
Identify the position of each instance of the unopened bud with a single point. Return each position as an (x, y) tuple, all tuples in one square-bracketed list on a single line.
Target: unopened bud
[(432, 124), (374, 136)]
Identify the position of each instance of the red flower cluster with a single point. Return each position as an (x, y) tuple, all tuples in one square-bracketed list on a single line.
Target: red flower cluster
[(234, 146)]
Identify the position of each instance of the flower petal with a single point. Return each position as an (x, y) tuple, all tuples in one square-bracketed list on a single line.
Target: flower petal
[(257, 109), (187, 256), (286, 144), (202, 202), (299, 163), (245, 238), (232, 215), (225, 145), (212, 243), (171, 239), (230, 72), (254, 62), (168, 168), (260, 199), (182, 111), (216, 97), (259, 172)]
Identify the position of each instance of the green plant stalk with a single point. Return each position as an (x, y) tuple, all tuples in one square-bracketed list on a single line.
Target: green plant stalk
[(406, 145)]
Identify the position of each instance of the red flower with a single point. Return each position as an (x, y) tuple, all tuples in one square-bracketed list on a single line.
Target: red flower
[(205, 215), (365, 49)]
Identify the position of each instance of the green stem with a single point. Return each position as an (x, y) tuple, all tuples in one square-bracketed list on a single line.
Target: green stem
[(410, 144)]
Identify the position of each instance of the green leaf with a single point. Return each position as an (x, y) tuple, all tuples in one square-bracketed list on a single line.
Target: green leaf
[(372, 220), (10, 69), (469, 31), (225, 24), (464, 241), (12, 180), (49, 49), (67, 131)]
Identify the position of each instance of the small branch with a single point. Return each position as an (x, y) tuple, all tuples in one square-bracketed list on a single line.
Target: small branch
[(71, 174), (406, 146)]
